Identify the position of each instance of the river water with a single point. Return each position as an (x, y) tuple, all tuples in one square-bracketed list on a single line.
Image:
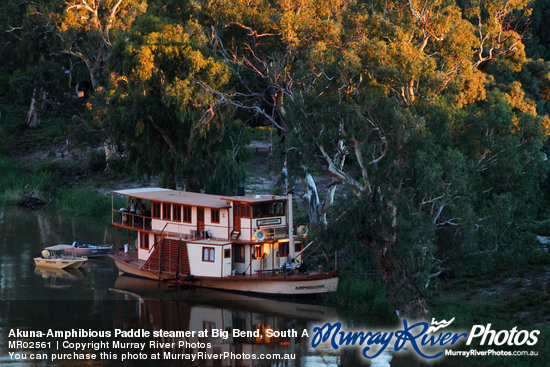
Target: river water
[(83, 309)]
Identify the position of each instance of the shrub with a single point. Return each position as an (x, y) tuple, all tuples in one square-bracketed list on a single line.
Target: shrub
[(97, 161), (362, 296)]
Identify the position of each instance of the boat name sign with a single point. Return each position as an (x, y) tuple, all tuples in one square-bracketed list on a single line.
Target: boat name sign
[(267, 222)]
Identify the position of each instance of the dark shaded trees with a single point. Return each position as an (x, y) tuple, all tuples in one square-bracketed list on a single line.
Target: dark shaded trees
[(435, 156)]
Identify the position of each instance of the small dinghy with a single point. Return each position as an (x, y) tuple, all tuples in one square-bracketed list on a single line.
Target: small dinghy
[(88, 250)]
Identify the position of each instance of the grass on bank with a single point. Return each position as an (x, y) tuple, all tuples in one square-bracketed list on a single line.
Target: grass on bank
[(518, 298), (362, 298), (56, 182), (84, 200), (13, 179)]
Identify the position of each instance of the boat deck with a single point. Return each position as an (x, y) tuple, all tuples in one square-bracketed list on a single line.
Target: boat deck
[(131, 259)]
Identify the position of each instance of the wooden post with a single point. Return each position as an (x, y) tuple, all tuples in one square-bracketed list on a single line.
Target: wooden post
[(290, 226), (160, 259), (178, 262)]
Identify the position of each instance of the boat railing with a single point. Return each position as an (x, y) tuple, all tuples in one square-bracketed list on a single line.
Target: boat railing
[(275, 272), (133, 220)]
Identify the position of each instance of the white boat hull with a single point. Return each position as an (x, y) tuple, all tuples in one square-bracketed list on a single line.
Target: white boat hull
[(278, 285), (273, 287)]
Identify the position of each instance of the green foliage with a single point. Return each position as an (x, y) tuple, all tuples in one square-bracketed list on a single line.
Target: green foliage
[(118, 166), (97, 161), (541, 228), (158, 104), (11, 180), (4, 141), (539, 42), (84, 132), (84, 200), (503, 298), (359, 297), (259, 133)]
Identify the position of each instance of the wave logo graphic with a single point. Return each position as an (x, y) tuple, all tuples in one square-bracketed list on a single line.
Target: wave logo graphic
[(439, 325)]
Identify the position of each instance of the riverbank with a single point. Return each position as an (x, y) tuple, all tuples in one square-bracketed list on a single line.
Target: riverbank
[(73, 186), (505, 298)]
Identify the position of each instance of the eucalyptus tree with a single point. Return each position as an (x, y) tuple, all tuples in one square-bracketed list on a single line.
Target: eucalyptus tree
[(428, 116), (159, 112), (27, 33), (391, 100), (86, 30)]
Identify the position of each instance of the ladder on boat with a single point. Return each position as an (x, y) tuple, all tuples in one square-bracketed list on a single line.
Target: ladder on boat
[(170, 256), (235, 234)]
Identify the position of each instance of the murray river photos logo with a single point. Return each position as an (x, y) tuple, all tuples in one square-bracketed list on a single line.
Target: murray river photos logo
[(429, 341)]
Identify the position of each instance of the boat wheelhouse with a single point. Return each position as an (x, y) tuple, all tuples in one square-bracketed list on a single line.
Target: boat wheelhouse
[(238, 243)]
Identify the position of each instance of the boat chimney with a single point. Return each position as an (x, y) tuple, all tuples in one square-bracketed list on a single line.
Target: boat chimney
[(239, 191)]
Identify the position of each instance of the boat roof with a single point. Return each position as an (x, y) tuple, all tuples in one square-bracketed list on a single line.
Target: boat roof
[(251, 199), (194, 198), (208, 242), (58, 247), (175, 196)]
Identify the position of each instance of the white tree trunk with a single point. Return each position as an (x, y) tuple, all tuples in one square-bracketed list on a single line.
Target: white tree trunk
[(33, 121), (311, 197), (110, 149)]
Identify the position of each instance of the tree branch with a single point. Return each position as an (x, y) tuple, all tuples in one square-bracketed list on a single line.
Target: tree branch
[(228, 99), (165, 135)]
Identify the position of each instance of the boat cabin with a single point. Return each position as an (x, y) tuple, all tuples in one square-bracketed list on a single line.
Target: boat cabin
[(187, 233)]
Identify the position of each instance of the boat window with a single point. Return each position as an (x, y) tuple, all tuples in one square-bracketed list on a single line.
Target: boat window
[(177, 213), (227, 253), (208, 254), (166, 211), (239, 253), (241, 210), (208, 325), (297, 247), (283, 249), (215, 215), (156, 210), (187, 213), (258, 251), (271, 209), (144, 241)]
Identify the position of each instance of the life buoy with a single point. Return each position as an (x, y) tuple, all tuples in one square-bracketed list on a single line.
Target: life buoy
[(260, 235), (302, 231)]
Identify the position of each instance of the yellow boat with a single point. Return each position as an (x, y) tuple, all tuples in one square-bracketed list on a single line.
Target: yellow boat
[(55, 257)]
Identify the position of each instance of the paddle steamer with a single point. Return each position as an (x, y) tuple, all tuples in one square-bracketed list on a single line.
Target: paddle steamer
[(242, 243)]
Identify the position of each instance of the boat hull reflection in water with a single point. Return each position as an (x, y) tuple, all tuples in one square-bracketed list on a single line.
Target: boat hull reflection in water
[(241, 328)]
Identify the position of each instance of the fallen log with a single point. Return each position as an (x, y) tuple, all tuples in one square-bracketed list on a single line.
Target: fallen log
[(32, 198)]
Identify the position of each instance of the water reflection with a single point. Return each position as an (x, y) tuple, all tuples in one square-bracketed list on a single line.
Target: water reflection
[(269, 326), (96, 298), (53, 273), (25, 233)]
